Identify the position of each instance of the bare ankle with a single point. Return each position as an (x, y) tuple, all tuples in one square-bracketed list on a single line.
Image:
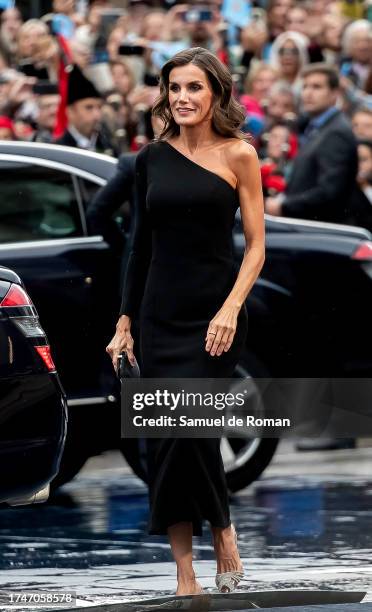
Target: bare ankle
[(226, 549), (188, 586), (185, 575), (224, 540)]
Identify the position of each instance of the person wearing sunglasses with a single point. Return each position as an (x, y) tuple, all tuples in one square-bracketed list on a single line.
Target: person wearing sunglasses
[(288, 56)]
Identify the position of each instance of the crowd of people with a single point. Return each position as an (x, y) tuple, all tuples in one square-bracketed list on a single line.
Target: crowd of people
[(86, 74)]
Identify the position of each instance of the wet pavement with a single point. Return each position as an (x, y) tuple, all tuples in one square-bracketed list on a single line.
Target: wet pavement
[(306, 524)]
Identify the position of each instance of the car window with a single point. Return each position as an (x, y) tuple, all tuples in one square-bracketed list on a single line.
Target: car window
[(37, 203), (121, 214), (88, 190)]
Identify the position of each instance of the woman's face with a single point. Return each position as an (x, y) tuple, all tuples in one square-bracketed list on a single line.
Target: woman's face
[(190, 95), (11, 21), (261, 83), (280, 105), (115, 39), (289, 57), (122, 78), (29, 38), (278, 141), (361, 47)]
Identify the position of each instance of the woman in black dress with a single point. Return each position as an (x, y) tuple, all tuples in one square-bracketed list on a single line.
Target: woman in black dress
[(182, 285)]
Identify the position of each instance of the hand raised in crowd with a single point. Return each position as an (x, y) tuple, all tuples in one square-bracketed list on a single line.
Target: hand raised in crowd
[(175, 13), (213, 30), (143, 95), (346, 83), (254, 37), (20, 90)]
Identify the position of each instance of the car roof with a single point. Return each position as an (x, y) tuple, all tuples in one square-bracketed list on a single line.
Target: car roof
[(104, 167), (101, 165)]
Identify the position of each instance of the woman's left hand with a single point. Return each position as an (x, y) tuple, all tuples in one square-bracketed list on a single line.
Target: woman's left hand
[(221, 330)]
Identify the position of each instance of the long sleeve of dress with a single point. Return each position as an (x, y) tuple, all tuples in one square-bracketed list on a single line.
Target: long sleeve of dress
[(140, 253)]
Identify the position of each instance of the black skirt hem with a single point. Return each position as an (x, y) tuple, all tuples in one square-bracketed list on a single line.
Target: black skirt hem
[(197, 526)]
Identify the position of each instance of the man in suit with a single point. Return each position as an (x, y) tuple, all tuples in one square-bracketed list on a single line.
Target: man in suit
[(109, 199), (119, 191), (84, 114), (324, 172)]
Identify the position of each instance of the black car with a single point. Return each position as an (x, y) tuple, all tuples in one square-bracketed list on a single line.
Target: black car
[(308, 312), (33, 410)]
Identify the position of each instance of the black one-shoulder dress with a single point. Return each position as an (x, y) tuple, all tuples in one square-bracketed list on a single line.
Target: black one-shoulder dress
[(180, 271)]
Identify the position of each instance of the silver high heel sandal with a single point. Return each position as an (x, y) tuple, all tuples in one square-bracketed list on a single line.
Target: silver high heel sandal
[(228, 581)]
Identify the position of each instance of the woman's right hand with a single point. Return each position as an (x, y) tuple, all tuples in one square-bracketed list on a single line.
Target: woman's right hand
[(122, 341)]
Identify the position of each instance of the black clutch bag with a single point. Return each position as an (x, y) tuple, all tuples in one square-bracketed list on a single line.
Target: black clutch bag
[(125, 368)]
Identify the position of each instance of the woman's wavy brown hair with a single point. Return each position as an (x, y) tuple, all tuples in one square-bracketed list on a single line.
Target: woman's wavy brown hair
[(228, 115)]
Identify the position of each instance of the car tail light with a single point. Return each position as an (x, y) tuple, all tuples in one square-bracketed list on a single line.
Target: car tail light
[(29, 325), (363, 252), (45, 354), (16, 296)]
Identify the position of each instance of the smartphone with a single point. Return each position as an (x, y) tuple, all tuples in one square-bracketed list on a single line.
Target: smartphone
[(128, 49), (196, 15)]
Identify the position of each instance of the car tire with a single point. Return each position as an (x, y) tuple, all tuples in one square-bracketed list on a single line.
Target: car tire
[(255, 462), (247, 459)]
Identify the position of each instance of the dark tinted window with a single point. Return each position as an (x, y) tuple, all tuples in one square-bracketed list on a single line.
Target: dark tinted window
[(88, 190), (37, 203), (121, 214)]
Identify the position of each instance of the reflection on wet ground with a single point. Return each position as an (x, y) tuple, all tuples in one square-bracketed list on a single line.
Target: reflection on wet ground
[(301, 531)]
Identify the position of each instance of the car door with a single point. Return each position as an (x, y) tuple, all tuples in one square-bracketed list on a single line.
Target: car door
[(69, 275)]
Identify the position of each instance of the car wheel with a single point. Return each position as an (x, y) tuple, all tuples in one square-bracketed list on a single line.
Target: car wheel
[(246, 458)]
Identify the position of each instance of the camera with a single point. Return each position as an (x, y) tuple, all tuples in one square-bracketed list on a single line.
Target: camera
[(128, 49), (196, 15)]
